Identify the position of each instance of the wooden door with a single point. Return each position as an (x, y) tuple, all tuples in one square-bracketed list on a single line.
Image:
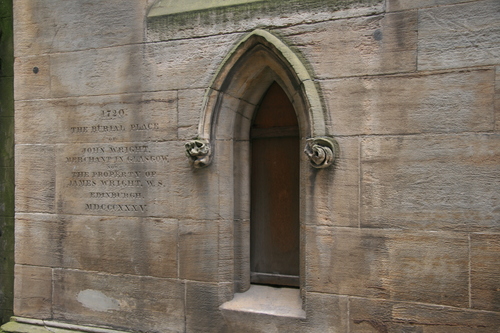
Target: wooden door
[(274, 225)]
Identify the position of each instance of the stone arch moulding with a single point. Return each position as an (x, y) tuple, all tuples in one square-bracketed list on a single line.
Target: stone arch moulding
[(259, 59)]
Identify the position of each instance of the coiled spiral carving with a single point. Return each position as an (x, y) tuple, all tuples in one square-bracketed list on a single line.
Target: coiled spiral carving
[(322, 151)]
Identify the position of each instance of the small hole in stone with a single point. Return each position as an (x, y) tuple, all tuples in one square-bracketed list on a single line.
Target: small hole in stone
[(35, 70)]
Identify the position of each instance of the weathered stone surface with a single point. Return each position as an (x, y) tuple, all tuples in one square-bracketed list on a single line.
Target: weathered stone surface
[(241, 255), (333, 193), (241, 180), (175, 65), (112, 118), (202, 306), (113, 70), (75, 25), (133, 68), (326, 313), (190, 110), (448, 102), (485, 271), (39, 239), (395, 5), (497, 100), (421, 267), (376, 316), (33, 292), (437, 182), (224, 163), (166, 7), (192, 193), (27, 83), (251, 16), (35, 178), (199, 250), (121, 231), (120, 301), (459, 36), (367, 45), (124, 245), (226, 261)]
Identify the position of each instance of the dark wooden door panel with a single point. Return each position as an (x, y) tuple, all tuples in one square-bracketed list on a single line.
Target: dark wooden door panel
[(274, 213), (274, 231)]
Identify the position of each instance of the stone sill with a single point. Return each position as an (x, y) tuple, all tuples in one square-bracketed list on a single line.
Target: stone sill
[(28, 325), (280, 302)]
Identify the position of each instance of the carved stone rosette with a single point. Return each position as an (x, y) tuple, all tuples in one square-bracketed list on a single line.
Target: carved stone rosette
[(199, 153), (322, 151)]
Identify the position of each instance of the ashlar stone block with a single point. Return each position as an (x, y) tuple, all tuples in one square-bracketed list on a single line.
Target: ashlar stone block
[(333, 193), (50, 26), (199, 250), (246, 18), (439, 103), (202, 306), (458, 36), (358, 46), (396, 5), (35, 175), (368, 315), (104, 71), (326, 313), (113, 118), (174, 65), (121, 301), (431, 182), (192, 193), (189, 112), (33, 292), (33, 77), (485, 271), (420, 267), (497, 99), (117, 245)]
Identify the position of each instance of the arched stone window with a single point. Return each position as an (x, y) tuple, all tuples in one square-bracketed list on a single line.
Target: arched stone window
[(258, 65)]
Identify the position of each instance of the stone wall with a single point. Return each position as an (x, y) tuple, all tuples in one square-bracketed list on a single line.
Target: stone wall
[(114, 227), (6, 161)]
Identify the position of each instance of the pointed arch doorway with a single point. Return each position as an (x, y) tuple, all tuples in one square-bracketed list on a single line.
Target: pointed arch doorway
[(230, 123), (274, 199)]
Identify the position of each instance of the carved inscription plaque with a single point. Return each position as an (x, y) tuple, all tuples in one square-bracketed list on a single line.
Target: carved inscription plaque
[(116, 159), (113, 179)]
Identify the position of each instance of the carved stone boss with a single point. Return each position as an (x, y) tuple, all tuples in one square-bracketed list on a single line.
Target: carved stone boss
[(199, 153), (322, 152)]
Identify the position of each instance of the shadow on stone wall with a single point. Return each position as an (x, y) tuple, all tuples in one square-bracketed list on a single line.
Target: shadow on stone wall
[(6, 161)]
